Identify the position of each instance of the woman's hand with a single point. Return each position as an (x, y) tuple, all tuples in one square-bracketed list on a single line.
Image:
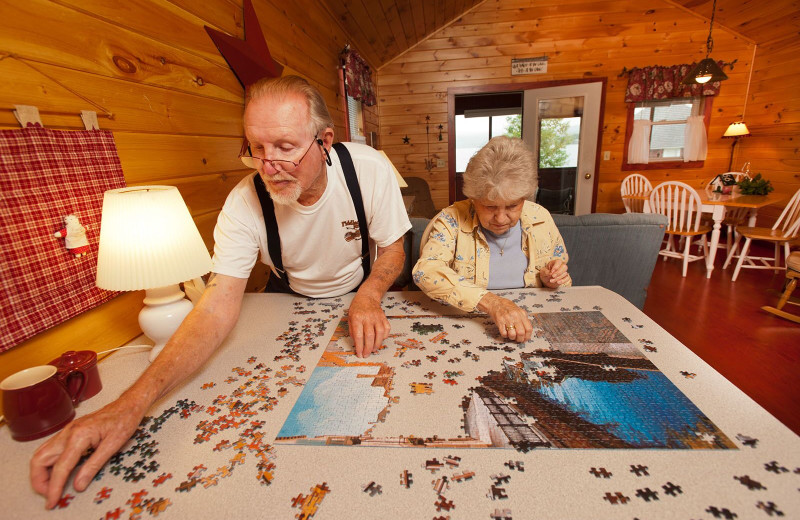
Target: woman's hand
[(512, 321), (554, 274)]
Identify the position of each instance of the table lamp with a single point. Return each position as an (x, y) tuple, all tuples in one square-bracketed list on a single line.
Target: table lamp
[(149, 241), (400, 180)]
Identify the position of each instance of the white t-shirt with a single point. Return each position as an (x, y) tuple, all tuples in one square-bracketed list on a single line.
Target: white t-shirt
[(324, 260)]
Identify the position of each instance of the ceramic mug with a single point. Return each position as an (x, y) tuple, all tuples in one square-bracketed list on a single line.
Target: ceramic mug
[(36, 401)]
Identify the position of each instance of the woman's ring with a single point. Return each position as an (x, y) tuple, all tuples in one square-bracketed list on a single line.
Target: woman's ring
[(509, 327)]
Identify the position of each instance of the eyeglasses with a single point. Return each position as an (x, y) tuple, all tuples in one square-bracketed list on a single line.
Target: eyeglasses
[(277, 164)]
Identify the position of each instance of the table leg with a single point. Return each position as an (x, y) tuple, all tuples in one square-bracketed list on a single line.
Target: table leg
[(751, 220), (718, 215)]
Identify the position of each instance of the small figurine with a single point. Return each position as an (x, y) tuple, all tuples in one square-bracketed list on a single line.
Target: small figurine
[(75, 236)]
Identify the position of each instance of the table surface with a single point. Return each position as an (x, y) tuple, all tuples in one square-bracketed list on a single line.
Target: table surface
[(732, 200), (209, 449)]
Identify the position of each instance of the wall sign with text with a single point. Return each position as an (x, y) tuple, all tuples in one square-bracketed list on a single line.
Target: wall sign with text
[(537, 65)]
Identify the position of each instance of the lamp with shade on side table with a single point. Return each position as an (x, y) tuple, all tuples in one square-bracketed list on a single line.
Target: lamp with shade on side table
[(149, 241)]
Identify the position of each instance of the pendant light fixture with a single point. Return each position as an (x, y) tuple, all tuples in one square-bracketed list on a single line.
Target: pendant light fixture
[(707, 70), (738, 129)]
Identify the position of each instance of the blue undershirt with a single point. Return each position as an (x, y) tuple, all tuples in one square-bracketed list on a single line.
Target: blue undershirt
[(506, 271)]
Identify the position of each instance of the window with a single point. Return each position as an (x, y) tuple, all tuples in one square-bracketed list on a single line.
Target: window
[(355, 118), (475, 127), (667, 133)]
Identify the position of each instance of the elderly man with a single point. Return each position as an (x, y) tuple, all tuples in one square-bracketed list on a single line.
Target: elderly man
[(324, 199)]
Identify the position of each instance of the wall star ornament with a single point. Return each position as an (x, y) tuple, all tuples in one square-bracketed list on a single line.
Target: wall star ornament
[(406, 140), (249, 59)]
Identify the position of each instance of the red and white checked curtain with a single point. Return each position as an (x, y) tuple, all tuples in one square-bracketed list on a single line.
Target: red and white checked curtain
[(44, 175)]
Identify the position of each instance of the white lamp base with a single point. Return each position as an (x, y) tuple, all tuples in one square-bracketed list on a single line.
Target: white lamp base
[(163, 312)]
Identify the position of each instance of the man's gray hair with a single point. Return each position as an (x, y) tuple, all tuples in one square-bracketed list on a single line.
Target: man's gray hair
[(504, 169), (283, 86)]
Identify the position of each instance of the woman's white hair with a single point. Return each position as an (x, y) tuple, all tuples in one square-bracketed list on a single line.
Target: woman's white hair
[(285, 85), (504, 169)]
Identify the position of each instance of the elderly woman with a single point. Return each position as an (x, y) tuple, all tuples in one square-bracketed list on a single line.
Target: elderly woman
[(497, 239)]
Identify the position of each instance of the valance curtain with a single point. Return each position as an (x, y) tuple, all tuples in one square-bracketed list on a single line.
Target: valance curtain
[(358, 78), (648, 83)]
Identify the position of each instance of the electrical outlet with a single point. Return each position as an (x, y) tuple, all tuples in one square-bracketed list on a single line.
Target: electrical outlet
[(606, 155), (440, 163)]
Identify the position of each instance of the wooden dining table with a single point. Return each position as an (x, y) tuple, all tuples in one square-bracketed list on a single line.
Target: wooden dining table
[(716, 204)]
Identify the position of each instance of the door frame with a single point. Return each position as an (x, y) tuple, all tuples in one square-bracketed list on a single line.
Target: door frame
[(452, 92)]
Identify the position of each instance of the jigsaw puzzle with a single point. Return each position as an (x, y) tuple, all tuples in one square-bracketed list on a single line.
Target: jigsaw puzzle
[(579, 383)]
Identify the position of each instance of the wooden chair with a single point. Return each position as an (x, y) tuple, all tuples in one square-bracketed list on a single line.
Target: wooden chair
[(792, 274), (634, 183), (782, 233), (681, 204)]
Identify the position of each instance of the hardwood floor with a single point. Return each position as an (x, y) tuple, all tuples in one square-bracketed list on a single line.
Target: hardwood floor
[(722, 322)]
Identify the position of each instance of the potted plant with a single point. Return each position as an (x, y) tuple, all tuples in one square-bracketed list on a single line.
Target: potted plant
[(754, 186)]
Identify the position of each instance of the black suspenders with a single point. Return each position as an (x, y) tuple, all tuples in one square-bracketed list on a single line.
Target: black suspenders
[(271, 224)]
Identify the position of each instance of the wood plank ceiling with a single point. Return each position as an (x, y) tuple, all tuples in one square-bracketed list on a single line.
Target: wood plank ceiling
[(381, 30)]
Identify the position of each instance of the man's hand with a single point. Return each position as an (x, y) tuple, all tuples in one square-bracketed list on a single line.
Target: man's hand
[(368, 324), (512, 321), (105, 431), (554, 274)]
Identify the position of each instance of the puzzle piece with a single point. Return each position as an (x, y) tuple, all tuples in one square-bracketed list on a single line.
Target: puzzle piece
[(505, 514), (751, 484), (501, 479), (443, 503), (769, 507), (721, 513), (496, 493), (406, 479), (518, 465), (672, 489), (639, 470), (372, 488), (64, 501), (600, 473), (466, 475), (647, 494), (616, 498), (441, 485), (102, 495)]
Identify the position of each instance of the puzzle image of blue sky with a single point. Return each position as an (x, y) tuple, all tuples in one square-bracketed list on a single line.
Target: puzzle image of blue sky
[(450, 381)]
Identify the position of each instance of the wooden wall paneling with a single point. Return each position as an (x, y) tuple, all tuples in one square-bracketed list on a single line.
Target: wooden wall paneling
[(152, 157), (157, 18), (582, 40), (135, 106), (34, 31), (392, 16)]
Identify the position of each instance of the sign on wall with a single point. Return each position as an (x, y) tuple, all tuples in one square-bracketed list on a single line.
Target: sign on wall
[(537, 65)]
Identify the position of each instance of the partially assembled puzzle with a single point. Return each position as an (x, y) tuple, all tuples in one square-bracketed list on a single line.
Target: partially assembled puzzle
[(579, 383)]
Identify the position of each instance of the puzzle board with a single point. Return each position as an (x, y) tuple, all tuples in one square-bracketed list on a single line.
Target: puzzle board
[(209, 448)]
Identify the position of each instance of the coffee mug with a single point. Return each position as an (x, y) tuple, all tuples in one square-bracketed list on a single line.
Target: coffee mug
[(36, 401)]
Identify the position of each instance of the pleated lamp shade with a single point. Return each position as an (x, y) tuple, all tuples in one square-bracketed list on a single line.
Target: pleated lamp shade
[(148, 240)]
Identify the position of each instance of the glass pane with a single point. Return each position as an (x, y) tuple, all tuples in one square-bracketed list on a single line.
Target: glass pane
[(641, 113), (559, 142), (471, 134), (501, 124), (677, 111), (666, 141)]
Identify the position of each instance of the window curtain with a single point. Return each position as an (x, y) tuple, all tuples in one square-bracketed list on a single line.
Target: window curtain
[(648, 83), (358, 78), (696, 142), (639, 145)]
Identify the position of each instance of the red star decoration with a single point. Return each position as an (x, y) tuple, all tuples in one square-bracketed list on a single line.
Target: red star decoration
[(249, 59)]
